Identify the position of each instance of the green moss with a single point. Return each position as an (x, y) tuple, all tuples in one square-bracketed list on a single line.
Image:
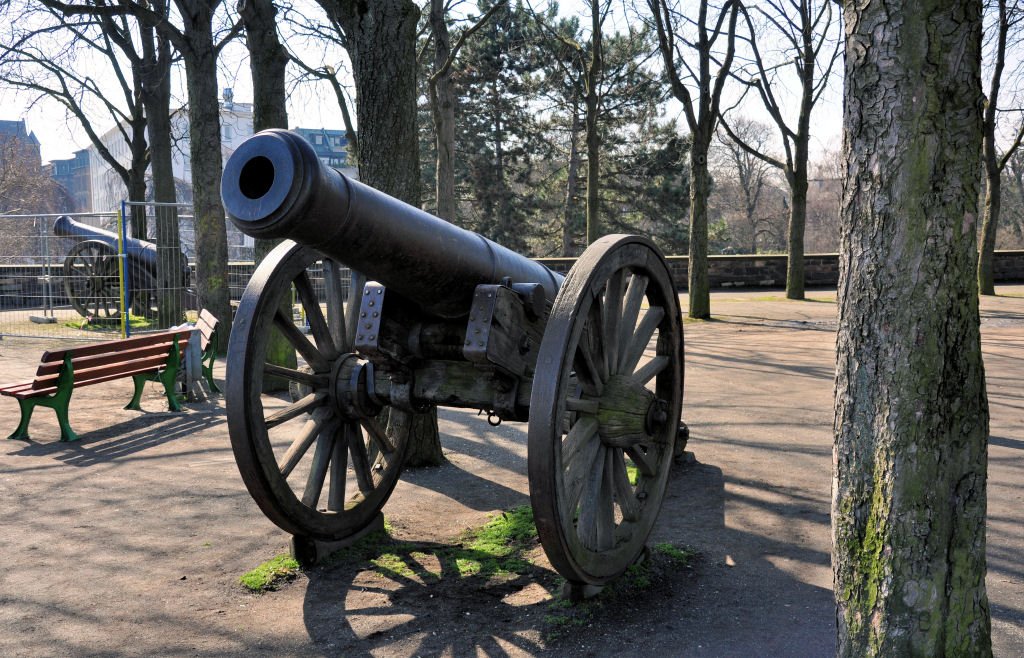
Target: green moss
[(107, 324), (269, 575), (681, 556)]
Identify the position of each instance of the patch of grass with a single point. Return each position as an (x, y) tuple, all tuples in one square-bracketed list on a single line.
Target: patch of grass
[(104, 324), (269, 575), (681, 556), (495, 549)]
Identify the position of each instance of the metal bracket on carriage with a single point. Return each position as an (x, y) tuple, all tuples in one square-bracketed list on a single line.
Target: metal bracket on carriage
[(506, 326)]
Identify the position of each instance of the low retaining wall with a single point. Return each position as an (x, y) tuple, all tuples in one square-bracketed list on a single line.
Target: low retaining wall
[(23, 286), (769, 271)]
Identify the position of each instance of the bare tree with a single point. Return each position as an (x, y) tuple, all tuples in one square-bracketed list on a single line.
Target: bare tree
[(806, 30), (1003, 33), (442, 99), (745, 178), (689, 54), (911, 412), (194, 38), (381, 41), (45, 58)]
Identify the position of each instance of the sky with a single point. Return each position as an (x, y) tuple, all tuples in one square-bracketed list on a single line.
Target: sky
[(314, 106)]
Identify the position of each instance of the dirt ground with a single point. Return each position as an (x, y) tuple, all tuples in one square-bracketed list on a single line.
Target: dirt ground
[(131, 541)]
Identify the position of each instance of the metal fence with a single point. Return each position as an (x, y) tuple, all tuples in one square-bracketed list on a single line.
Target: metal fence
[(73, 276)]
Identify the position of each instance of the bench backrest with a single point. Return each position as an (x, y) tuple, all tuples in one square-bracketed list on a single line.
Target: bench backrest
[(207, 326), (110, 358)]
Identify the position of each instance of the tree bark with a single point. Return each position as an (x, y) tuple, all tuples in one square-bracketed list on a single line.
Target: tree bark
[(593, 109), (795, 280), (156, 97), (442, 101), (571, 184), (207, 163), (381, 42), (911, 414), (698, 285), (268, 61)]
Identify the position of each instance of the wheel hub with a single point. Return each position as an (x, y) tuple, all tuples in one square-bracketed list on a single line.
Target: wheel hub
[(351, 388), (628, 413)]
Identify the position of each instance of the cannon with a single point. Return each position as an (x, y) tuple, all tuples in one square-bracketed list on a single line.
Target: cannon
[(390, 310), (91, 271)]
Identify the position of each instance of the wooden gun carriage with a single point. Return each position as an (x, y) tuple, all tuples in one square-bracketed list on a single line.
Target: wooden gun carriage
[(402, 311), (91, 275)]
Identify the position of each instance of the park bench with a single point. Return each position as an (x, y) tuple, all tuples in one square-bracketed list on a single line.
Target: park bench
[(143, 358), (207, 326)]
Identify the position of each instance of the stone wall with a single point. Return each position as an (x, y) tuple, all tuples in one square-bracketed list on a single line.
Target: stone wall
[(769, 271)]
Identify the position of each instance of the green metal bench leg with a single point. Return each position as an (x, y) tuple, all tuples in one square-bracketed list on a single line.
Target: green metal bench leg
[(26, 407), (208, 370), (59, 402), (169, 375), (140, 385), (60, 407)]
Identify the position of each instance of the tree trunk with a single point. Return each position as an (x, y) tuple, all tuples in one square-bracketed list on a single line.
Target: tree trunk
[(700, 183), (571, 184), (268, 61), (993, 204), (911, 414), (442, 101), (593, 105), (797, 223), (381, 41), (206, 161), (155, 79)]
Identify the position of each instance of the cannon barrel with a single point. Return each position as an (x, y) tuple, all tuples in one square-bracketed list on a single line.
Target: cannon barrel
[(274, 186), (139, 250)]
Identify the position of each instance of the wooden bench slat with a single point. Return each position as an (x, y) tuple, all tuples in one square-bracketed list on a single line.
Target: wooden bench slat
[(99, 380), (110, 346), (89, 361)]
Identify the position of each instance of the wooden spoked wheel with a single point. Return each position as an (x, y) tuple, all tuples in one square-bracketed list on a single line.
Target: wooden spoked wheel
[(91, 280), (315, 467), (605, 407)]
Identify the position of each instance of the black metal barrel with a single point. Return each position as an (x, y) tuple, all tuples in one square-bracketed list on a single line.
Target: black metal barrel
[(139, 250), (274, 186)]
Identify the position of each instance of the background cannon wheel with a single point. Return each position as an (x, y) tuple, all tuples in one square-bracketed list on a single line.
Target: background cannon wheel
[(314, 471), (91, 280), (605, 406)]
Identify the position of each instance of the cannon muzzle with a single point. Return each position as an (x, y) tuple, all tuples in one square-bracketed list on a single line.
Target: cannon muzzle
[(274, 186), (138, 250)]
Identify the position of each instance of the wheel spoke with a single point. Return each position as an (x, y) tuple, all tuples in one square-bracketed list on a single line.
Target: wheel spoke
[(596, 524), (644, 462), (308, 351), (295, 409), (335, 304), (578, 437), (291, 374), (587, 371), (630, 312), (651, 369), (302, 441), (355, 296), (318, 469), (315, 317), (576, 474), (339, 465), (624, 493), (360, 461), (611, 318), (378, 435), (639, 340)]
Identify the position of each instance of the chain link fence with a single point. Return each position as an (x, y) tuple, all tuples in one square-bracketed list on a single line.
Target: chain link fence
[(72, 276)]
